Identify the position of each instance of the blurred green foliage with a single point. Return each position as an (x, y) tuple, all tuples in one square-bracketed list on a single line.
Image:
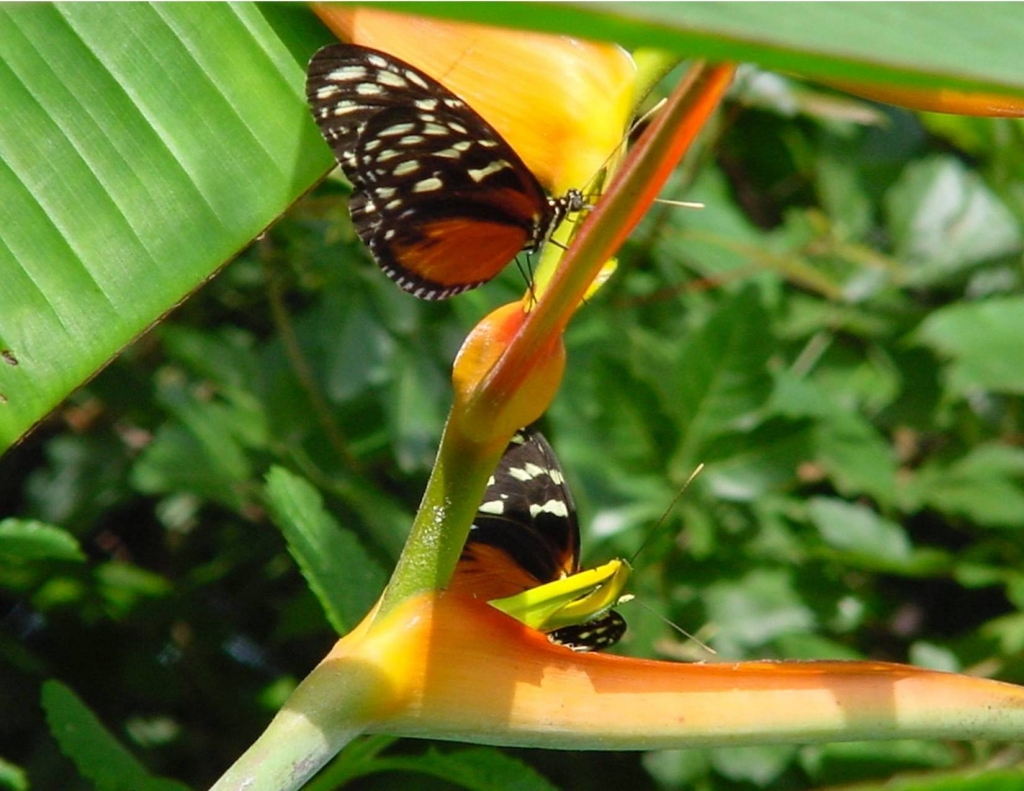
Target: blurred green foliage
[(837, 336)]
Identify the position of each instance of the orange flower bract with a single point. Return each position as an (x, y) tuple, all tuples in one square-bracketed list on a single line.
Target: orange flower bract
[(527, 397), (448, 666), (453, 667), (937, 100)]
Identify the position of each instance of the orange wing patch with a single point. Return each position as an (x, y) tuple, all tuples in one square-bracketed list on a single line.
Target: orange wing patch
[(460, 250), (488, 573)]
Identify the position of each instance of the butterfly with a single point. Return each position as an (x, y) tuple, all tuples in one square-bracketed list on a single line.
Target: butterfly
[(526, 534), (442, 201)]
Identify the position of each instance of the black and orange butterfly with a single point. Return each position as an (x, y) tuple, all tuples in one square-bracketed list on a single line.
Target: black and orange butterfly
[(439, 197), (526, 534)]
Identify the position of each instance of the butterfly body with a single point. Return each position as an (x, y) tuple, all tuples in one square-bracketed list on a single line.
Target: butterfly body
[(526, 534), (442, 201)]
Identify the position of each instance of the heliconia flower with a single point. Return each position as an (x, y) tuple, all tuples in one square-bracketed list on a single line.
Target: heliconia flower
[(541, 92), (452, 667)]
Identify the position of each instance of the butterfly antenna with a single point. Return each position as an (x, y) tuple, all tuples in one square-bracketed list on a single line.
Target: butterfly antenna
[(643, 119), (686, 204), (653, 531), (679, 629)]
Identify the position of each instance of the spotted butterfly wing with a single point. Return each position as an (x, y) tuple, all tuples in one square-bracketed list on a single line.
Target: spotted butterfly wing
[(439, 197), (526, 534), (595, 635)]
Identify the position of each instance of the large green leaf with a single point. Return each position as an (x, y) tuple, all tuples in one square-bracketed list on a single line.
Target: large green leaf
[(140, 148), (906, 43)]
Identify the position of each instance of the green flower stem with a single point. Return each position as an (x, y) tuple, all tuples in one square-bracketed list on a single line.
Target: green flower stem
[(442, 522), (327, 710)]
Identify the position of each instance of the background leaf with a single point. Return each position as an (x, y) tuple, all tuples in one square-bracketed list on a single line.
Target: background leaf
[(96, 753), (984, 340), (345, 579), (480, 769), (27, 541), (944, 220)]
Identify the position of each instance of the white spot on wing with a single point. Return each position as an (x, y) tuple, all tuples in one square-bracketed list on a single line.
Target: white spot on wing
[(327, 91), (536, 471), (353, 72), (392, 80), (428, 185), (415, 79), (405, 168), (520, 474), (348, 73), (396, 130), (341, 108), (492, 507), (479, 174), (368, 89), (556, 507)]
